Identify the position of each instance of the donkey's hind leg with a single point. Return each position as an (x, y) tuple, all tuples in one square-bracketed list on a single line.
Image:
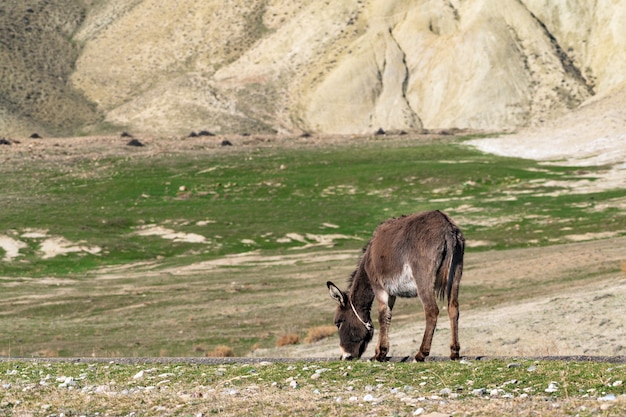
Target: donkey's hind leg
[(453, 313), (432, 312)]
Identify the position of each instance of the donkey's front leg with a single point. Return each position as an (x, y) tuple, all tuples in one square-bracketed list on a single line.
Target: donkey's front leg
[(385, 305)]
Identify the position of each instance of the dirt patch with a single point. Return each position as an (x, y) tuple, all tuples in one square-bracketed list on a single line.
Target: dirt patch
[(56, 246), (49, 247), (154, 230), (256, 259), (592, 135), (11, 247)]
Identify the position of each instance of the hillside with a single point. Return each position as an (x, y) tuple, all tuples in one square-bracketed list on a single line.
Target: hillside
[(37, 57), (350, 66)]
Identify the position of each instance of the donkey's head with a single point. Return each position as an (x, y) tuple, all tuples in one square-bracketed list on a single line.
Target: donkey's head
[(355, 332)]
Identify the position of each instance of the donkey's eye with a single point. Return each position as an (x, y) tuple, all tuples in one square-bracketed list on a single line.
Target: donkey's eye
[(338, 323)]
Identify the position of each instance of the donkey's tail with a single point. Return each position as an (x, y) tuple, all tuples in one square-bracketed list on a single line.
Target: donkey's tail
[(455, 248)]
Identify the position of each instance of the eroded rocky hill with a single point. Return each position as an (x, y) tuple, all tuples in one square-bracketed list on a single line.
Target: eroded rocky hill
[(346, 66)]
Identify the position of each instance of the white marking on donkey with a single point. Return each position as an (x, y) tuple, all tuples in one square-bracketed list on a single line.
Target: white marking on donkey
[(417, 255)]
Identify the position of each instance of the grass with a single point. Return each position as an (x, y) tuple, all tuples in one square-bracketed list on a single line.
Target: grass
[(487, 388), (252, 199), (150, 296)]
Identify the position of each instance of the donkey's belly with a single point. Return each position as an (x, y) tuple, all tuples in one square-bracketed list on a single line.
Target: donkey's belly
[(403, 284)]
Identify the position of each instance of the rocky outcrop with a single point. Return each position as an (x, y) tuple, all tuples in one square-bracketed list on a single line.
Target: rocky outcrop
[(348, 66)]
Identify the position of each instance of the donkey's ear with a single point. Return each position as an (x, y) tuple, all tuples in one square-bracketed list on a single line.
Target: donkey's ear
[(336, 294)]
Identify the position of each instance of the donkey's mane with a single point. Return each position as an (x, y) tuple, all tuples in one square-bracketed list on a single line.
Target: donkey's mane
[(366, 247), (359, 264)]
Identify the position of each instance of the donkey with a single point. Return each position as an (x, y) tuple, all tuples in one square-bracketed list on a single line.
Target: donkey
[(416, 255)]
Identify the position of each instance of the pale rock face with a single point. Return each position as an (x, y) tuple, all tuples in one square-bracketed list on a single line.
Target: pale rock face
[(346, 66), (483, 64), (593, 33), (353, 66)]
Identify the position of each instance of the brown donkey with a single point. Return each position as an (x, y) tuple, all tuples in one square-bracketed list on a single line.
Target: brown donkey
[(417, 255)]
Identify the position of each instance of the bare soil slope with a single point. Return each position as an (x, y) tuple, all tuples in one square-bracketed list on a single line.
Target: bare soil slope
[(37, 57)]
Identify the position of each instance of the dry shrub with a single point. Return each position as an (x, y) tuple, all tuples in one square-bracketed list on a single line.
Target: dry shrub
[(221, 352), (320, 332), (288, 339), (200, 348), (47, 353), (623, 266)]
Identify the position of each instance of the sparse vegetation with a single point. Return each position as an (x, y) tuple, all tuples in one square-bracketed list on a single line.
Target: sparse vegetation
[(221, 352), (35, 87), (486, 388), (318, 333), (288, 339)]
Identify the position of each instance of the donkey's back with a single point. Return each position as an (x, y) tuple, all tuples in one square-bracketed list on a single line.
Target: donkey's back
[(415, 254)]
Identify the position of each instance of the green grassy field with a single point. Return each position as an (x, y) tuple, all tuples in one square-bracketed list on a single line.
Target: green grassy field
[(304, 210), (250, 199)]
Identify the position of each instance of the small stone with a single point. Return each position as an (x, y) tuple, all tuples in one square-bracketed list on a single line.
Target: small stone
[(135, 142), (138, 375), (479, 392), (608, 397), (552, 387), (368, 398), (514, 365)]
